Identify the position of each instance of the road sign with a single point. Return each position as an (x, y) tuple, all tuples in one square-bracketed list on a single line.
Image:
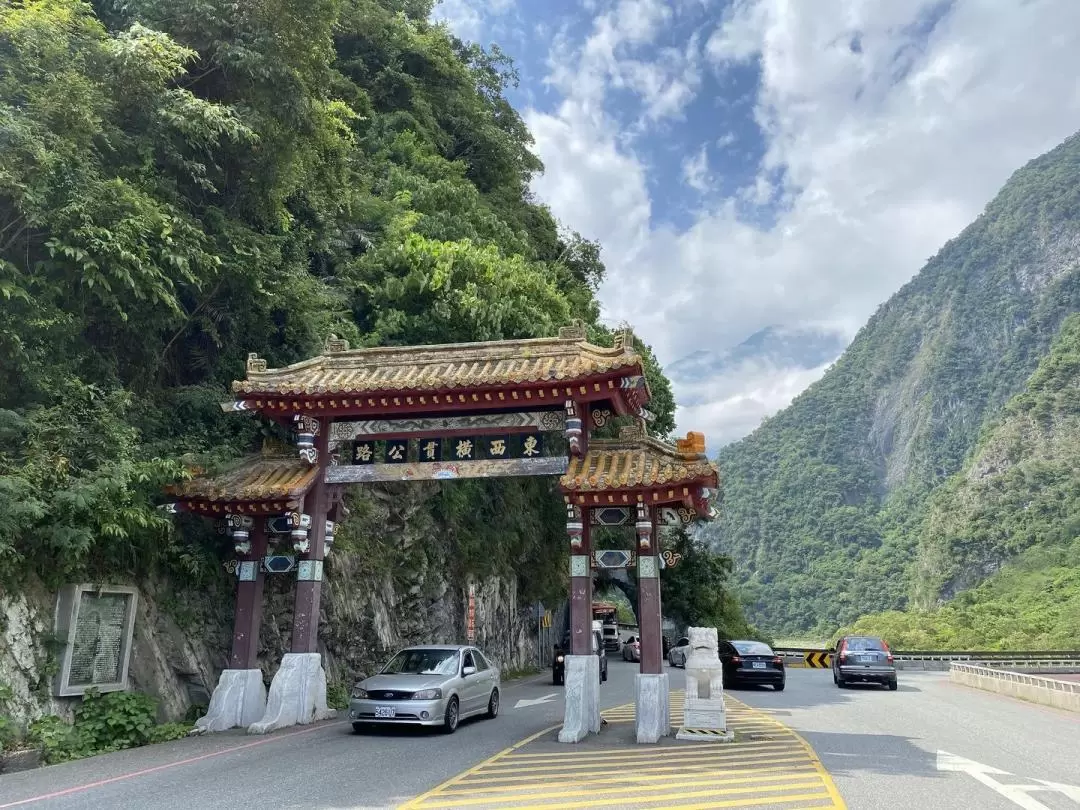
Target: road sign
[(470, 626), (818, 659), (545, 620)]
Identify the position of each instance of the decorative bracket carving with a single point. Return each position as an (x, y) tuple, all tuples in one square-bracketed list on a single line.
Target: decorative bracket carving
[(573, 428), (576, 331), (255, 363), (301, 543), (334, 344), (575, 526), (692, 445), (307, 428), (644, 527)]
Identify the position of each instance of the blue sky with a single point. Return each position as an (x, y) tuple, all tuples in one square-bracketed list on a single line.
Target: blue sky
[(753, 163)]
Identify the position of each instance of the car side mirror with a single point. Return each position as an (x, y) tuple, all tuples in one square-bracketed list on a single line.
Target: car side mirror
[(467, 671)]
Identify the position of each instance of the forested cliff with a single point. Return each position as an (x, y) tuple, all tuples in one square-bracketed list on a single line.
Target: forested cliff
[(900, 477), (186, 181)]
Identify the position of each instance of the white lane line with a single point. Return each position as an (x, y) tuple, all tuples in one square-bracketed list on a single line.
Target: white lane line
[(1017, 794), (526, 702)]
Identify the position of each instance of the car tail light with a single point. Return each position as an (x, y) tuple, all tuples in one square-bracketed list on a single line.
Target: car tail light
[(888, 652), (736, 660), (776, 659), (843, 649)]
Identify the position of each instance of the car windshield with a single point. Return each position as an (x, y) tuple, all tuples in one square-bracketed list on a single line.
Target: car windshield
[(866, 644), (423, 662), (752, 647)]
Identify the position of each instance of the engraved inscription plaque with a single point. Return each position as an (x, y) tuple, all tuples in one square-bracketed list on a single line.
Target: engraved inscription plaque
[(97, 624)]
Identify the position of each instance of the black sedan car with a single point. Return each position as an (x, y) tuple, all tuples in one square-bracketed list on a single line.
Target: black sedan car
[(558, 661), (751, 662)]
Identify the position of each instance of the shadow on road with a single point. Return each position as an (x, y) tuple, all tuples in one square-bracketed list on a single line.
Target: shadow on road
[(848, 754), (404, 731)]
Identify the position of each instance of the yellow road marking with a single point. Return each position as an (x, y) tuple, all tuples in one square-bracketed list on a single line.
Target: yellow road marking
[(768, 764), (655, 774)]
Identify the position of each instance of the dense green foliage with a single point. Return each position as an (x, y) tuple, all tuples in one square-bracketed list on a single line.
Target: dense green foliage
[(1033, 603), (103, 723), (697, 589), (826, 503), (184, 182), (1018, 495)]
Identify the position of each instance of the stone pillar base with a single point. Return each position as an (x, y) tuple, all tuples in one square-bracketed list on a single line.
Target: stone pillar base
[(705, 719), (652, 714), (297, 694), (582, 712), (239, 700)]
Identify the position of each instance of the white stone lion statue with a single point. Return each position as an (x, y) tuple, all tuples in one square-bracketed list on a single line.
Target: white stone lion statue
[(703, 667)]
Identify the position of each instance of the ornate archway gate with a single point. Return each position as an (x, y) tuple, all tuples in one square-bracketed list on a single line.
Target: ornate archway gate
[(477, 410)]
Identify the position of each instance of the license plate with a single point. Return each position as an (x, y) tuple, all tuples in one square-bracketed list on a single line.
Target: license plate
[(865, 659), (759, 664), (385, 711)]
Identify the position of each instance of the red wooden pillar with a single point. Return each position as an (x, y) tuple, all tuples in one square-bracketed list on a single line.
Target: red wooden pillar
[(249, 597), (577, 527), (309, 570), (649, 615)]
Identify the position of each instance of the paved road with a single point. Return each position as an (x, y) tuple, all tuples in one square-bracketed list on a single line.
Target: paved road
[(312, 768), (766, 766), (882, 748)]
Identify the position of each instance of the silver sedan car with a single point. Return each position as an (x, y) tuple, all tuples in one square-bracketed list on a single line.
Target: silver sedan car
[(430, 685)]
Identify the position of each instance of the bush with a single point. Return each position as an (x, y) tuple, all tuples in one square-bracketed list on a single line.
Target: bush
[(115, 720), (58, 740), (104, 723), (337, 696), (9, 734)]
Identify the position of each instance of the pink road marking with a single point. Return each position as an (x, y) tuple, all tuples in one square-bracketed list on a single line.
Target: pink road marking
[(168, 765)]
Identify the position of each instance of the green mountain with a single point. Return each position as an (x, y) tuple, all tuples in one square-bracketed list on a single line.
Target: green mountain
[(849, 501), (1017, 499)]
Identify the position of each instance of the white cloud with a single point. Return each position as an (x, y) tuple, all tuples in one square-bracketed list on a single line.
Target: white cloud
[(471, 19), (727, 408), (695, 170), (882, 143), (610, 59)]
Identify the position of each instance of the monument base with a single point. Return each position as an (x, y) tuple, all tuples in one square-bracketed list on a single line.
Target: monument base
[(582, 712), (239, 700), (705, 719), (297, 694), (704, 734), (652, 714)]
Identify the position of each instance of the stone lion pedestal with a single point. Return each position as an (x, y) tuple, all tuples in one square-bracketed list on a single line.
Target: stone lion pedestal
[(704, 714)]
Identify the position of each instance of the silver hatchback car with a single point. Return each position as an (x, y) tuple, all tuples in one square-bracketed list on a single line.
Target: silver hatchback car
[(430, 685)]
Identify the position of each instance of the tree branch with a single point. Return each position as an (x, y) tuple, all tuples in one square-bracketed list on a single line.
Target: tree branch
[(190, 318)]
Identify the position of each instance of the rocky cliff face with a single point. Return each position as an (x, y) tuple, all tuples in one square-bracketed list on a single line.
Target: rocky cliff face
[(824, 504), (390, 582)]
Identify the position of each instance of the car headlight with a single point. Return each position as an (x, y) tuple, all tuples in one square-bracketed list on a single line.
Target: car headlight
[(359, 694), (427, 694)]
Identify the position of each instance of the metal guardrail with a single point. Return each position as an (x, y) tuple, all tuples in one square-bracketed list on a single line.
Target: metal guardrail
[(1068, 656), (938, 659), (1072, 687)]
